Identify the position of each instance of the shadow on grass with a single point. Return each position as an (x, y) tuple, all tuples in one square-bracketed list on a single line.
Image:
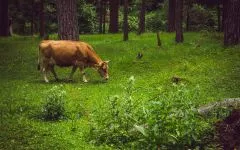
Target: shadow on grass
[(67, 81)]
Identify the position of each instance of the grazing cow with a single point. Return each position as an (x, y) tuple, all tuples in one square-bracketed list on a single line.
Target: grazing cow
[(69, 53)]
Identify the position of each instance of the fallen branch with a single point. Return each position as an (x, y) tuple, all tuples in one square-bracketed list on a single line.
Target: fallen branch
[(230, 102)]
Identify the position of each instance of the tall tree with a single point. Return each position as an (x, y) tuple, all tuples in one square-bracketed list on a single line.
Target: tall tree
[(4, 20), (125, 21), (141, 25), (67, 20), (114, 7), (178, 21), (32, 17), (42, 19), (100, 15), (104, 15), (171, 15), (231, 22)]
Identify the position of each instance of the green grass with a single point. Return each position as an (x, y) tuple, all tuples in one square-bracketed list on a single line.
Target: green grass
[(201, 60)]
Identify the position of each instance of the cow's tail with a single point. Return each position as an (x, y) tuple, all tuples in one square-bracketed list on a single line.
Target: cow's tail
[(39, 55)]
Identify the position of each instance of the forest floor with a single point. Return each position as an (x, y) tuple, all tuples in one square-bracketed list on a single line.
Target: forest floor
[(201, 61)]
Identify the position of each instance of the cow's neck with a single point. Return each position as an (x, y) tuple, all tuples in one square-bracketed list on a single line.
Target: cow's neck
[(94, 60)]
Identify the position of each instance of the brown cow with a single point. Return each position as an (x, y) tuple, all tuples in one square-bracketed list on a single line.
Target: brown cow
[(69, 53)]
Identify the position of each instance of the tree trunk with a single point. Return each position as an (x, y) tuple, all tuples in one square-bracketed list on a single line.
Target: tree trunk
[(171, 15), (4, 20), (125, 21), (158, 39), (141, 24), (32, 18), (187, 19), (219, 16), (178, 21), (104, 16), (100, 15), (231, 22), (42, 19), (67, 20), (114, 6)]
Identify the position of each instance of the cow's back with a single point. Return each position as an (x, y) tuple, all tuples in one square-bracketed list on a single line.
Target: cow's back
[(65, 53)]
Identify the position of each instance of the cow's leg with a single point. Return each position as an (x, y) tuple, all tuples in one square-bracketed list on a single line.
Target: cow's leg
[(81, 68), (45, 74), (51, 67), (74, 68)]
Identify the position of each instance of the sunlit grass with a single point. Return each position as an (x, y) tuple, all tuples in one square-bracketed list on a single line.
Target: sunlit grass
[(201, 60)]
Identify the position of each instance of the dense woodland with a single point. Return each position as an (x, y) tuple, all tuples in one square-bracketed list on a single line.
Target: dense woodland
[(75, 17), (173, 79)]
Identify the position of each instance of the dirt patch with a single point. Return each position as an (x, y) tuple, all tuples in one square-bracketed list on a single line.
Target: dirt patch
[(229, 131)]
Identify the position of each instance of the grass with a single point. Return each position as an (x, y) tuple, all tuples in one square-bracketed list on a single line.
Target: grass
[(201, 60)]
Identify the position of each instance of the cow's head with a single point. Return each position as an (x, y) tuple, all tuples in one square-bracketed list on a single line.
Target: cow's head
[(103, 70)]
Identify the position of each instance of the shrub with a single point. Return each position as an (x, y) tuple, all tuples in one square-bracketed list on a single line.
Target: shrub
[(53, 107), (86, 17), (171, 121), (155, 21), (132, 23), (201, 18), (113, 123)]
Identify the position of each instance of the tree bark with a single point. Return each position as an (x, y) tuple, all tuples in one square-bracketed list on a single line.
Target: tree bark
[(231, 22), (114, 6), (178, 21), (187, 19), (104, 16), (158, 39), (42, 19), (32, 18), (125, 21), (171, 15), (67, 20), (100, 15), (4, 20), (141, 24)]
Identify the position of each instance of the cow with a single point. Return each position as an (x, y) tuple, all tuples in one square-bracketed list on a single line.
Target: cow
[(66, 53)]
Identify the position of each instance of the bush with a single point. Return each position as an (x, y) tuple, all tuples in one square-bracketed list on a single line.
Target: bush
[(86, 17), (155, 21), (113, 123), (53, 108), (171, 121), (201, 18)]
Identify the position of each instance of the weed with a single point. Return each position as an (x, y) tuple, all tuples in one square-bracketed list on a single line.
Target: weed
[(53, 107)]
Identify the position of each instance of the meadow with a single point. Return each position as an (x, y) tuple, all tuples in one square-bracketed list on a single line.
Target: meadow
[(201, 61)]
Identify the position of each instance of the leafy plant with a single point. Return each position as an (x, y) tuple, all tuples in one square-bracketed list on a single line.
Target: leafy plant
[(53, 107), (171, 121), (113, 124)]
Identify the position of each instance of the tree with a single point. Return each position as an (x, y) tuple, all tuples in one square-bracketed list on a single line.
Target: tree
[(100, 15), (171, 15), (104, 15), (141, 24), (67, 20), (178, 21), (114, 7), (4, 20), (231, 10), (125, 21), (42, 18)]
